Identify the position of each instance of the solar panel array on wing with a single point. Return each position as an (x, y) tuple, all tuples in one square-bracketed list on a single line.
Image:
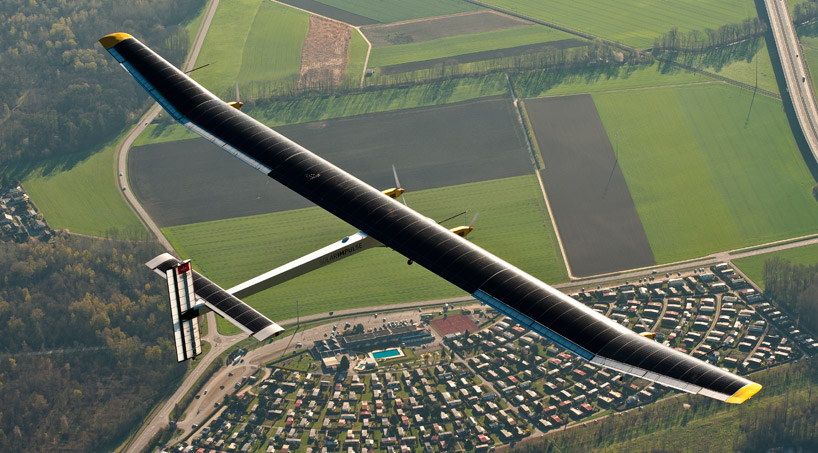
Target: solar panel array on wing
[(185, 329), (418, 238)]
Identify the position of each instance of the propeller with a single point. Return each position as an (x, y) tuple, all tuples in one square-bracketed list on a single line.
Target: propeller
[(237, 103), (397, 185)]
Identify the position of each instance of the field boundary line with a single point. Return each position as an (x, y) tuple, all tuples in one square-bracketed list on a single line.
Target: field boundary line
[(651, 87), (368, 52), (571, 277)]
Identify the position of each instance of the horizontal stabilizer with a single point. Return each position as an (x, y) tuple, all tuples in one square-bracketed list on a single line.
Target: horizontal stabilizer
[(217, 299), (185, 328)]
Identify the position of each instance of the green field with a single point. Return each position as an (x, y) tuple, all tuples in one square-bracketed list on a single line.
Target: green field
[(513, 223), (357, 57), (633, 22), (627, 77), (255, 42), (809, 44), (85, 198), (705, 176), (742, 62), (753, 266), (463, 44), (327, 107), (387, 11)]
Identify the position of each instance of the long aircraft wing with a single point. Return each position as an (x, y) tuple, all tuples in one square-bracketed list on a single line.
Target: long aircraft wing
[(530, 302)]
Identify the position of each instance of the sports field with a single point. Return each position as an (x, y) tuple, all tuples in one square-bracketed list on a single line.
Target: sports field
[(84, 197), (440, 27), (328, 107), (513, 224), (634, 22), (754, 266), (463, 44), (710, 168), (590, 201), (255, 42), (386, 11), (431, 147)]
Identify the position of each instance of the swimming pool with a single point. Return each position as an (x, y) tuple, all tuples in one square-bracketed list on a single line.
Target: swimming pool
[(387, 354)]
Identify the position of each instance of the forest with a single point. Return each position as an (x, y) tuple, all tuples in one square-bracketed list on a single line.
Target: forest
[(57, 97), (86, 349), (795, 288)]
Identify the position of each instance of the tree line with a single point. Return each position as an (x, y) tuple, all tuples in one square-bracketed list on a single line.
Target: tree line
[(61, 92), (86, 348), (698, 40), (795, 287)]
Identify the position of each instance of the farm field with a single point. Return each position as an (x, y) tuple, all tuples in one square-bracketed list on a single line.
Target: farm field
[(479, 61), (431, 147), (810, 46), (633, 22), (331, 12), (84, 198), (741, 62), (386, 11), (357, 58), (559, 83), (440, 27), (727, 175), (239, 47), (463, 44), (513, 224), (329, 107), (753, 266), (590, 201)]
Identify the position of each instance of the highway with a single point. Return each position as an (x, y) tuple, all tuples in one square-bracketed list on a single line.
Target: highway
[(796, 74)]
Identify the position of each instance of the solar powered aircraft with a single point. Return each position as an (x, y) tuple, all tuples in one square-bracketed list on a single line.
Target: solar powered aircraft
[(381, 219)]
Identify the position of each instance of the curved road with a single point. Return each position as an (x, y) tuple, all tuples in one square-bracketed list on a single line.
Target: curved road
[(796, 73)]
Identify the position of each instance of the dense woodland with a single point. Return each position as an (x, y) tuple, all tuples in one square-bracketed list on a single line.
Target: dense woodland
[(86, 348), (61, 92), (795, 288), (784, 415)]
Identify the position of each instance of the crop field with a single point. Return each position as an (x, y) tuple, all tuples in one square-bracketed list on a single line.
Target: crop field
[(255, 42), (513, 224), (634, 22), (727, 174), (748, 63), (753, 266), (431, 147), (559, 83), (329, 107), (589, 198), (463, 44), (487, 57), (810, 47), (386, 11), (84, 198), (440, 27), (331, 12), (357, 57)]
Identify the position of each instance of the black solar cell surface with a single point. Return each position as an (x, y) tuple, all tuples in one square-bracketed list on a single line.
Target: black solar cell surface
[(411, 234), (223, 301)]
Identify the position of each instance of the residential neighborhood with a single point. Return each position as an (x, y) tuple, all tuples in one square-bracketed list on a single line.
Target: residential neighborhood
[(19, 218), (473, 380)]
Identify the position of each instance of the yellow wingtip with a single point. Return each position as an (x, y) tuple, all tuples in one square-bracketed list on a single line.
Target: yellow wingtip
[(744, 393), (113, 39)]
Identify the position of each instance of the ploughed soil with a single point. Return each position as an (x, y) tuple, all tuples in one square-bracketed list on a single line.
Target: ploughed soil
[(325, 53)]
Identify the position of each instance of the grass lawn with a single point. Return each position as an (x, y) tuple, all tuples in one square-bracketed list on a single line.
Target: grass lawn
[(387, 11), (513, 224), (357, 57), (634, 22), (327, 107), (84, 198), (255, 42), (753, 266), (463, 44), (704, 175), (558, 83)]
